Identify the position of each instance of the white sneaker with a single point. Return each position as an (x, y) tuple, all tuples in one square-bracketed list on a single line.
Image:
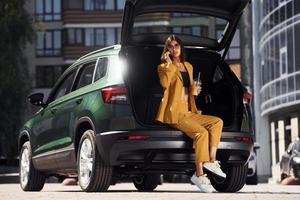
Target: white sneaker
[(214, 167), (202, 182)]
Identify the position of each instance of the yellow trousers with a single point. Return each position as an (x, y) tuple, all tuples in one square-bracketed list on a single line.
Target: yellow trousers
[(205, 130)]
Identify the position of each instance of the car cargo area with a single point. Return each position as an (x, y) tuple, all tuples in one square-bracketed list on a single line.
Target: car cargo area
[(221, 93)]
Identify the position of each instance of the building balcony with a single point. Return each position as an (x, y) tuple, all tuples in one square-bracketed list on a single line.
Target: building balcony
[(75, 52)]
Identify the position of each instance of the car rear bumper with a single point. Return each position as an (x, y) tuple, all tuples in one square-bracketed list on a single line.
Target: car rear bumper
[(153, 147)]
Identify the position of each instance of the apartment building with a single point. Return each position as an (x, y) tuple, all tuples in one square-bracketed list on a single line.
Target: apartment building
[(276, 80), (66, 30)]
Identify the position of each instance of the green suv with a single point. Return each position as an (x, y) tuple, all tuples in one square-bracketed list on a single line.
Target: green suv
[(98, 123)]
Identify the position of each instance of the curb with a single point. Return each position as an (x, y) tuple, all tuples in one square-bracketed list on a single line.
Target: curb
[(9, 178)]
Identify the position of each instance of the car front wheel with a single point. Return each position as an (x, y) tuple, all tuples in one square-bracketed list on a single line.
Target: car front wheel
[(93, 174), (235, 178), (30, 178)]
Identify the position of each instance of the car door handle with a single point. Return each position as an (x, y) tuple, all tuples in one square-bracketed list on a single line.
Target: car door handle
[(53, 110), (78, 101)]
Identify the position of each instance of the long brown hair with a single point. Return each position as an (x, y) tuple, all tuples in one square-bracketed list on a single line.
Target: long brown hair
[(168, 42)]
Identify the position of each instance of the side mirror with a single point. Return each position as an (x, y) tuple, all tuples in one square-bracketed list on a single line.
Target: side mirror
[(37, 99)]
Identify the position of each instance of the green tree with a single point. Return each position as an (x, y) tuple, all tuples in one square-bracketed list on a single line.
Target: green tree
[(16, 30)]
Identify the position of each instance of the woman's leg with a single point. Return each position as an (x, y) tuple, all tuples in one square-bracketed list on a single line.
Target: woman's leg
[(199, 169), (212, 153), (201, 150), (214, 126), (199, 134)]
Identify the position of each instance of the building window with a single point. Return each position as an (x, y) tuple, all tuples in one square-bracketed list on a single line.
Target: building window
[(74, 36), (120, 4), (48, 10), (48, 43), (119, 35), (46, 76), (234, 51), (89, 37), (110, 38), (201, 31), (104, 4), (283, 61), (100, 36)]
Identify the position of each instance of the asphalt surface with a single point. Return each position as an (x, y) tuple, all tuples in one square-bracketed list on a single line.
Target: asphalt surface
[(166, 191)]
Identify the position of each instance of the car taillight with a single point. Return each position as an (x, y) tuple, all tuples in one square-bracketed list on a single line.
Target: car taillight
[(135, 137), (114, 95), (138, 137), (244, 139), (247, 98)]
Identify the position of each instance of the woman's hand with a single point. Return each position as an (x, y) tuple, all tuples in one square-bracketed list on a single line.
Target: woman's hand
[(196, 89), (167, 57)]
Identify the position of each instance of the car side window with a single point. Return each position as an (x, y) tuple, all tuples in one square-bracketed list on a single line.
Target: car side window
[(65, 86), (86, 75), (101, 68)]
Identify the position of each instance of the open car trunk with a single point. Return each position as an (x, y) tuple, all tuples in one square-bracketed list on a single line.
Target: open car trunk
[(221, 95)]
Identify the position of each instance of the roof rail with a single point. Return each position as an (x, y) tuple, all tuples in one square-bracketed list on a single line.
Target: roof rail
[(99, 50)]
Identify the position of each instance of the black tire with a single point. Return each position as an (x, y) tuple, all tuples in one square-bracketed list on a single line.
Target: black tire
[(101, 173), (252, 180), (35, 179), (296, 173), (235, 178), (146, 182)]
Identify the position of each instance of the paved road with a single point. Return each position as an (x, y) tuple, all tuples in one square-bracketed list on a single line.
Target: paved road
[(166, 191)]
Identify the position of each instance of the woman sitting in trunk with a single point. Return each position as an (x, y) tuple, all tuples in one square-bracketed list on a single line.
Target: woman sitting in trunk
[(178, 110)]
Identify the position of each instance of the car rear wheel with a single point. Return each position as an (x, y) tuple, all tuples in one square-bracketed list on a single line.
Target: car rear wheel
[(30, 178), (147, 182), (235, 178), (93, 174)]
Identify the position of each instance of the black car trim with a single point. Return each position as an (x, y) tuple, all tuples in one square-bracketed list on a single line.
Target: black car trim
[(23, 133), (43, 161), (85, 119)]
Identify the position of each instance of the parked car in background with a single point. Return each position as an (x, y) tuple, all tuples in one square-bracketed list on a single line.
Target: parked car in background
[(290, 160), (98, 123), (252, 178)]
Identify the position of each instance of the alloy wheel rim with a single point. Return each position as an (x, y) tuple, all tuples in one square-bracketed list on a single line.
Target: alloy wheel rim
[(24, 172), (85, 163)]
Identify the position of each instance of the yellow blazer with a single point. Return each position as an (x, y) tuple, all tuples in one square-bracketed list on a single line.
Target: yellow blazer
[(172, 83)]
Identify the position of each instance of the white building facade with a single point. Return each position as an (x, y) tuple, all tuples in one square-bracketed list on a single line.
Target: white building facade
[(276, 53)]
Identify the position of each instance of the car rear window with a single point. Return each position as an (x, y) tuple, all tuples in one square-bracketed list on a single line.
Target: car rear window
[(180, 23)]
